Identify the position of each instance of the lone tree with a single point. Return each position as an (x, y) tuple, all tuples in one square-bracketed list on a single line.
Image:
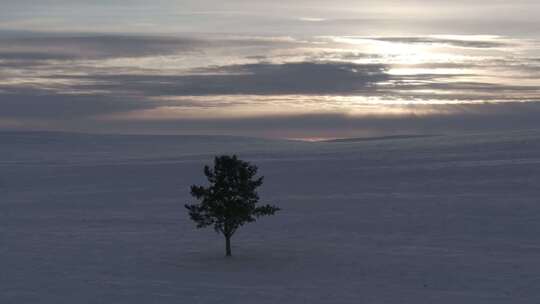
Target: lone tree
[(230, 200)]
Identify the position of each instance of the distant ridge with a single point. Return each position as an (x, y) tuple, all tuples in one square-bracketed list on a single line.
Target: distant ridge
[(62, 136), (404, 136)]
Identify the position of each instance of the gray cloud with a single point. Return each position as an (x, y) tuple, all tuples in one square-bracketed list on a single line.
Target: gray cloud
[(124, 93), (481, 44), (306, 78), (27, 103), (66, 47), (258, 79), (34, 46), (33, 55)]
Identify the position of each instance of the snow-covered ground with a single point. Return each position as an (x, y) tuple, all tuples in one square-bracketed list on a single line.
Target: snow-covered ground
[(443, 219)]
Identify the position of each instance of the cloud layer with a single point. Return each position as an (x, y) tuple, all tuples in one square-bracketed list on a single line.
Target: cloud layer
[(268, 85)]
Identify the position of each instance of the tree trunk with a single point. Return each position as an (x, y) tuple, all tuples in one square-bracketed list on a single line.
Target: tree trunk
[(228, 246)]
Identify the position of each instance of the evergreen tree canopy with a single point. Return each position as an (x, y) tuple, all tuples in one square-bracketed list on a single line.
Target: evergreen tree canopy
[(230, 200)]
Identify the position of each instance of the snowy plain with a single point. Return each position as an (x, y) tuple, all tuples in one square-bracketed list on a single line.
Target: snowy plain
[(442, 219)]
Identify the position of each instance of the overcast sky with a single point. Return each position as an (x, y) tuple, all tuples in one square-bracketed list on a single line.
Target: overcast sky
[(307, 69), (257, 17)]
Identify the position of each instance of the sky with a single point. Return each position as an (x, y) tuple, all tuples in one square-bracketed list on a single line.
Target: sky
[(309, 69)]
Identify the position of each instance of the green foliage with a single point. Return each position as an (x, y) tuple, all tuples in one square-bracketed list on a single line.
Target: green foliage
[(230, 201)]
